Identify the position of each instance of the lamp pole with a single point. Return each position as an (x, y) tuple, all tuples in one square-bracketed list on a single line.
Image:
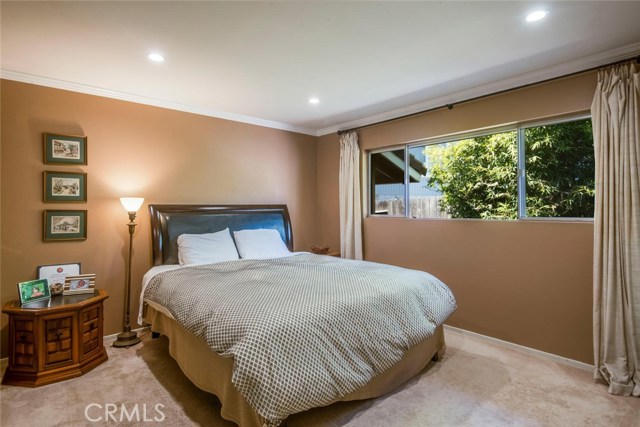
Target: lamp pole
[(127, 337)]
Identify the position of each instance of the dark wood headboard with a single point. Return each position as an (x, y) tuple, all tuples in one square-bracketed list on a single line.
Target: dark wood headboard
[(170, 221)]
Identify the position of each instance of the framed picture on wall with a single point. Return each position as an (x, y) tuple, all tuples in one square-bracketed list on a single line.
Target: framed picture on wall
[(65, 187), (64, 149), (64, 225)]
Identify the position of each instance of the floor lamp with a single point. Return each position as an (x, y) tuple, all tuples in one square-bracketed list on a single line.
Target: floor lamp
[(127, 337)]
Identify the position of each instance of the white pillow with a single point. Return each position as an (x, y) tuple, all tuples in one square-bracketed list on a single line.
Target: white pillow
[(206, 248), (260, 244)]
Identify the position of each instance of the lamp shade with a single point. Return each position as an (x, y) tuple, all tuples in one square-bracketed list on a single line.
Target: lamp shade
[(131, 204)]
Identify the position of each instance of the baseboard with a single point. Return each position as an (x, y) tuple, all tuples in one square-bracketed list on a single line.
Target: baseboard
[(112, 337), (518, 347)]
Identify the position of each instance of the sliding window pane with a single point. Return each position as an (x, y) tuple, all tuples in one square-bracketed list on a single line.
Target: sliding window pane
[(560, 170), (425, 194), (467, 178), (387, 182)]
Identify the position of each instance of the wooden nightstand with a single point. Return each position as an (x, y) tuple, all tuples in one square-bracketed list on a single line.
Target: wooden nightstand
[(323, 250), (54, 340)]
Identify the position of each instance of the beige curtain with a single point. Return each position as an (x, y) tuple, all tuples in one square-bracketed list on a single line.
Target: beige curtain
[(616, 274), (350, 202)]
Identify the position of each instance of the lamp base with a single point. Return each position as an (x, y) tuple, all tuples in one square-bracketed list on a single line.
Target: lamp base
[(126, 339)]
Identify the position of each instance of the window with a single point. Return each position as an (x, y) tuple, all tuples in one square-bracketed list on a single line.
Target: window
[(559, 170), (474, 177), (387, 182), (537, 171)]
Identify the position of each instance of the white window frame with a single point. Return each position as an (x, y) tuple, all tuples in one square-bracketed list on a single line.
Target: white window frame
[(519, 128), (522, 184)]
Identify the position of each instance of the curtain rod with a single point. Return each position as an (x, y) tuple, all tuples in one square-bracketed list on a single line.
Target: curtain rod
[(450, 106)]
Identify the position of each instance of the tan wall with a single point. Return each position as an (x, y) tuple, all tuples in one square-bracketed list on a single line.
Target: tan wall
[(521, 281), (525, 282), (163, 155)]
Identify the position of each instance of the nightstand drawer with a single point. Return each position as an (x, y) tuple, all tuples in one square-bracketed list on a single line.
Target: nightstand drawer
[(58, 356), (24, 325), (24, 361), (63, 345), (23, 337), (90, 324), (58, 340), (58, 329), (90, 337), (24, 354), (25, 350), (90, 314), (55, 335)]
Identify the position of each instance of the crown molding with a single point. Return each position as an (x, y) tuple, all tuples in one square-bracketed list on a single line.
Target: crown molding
[(123, 96), (555, 71), (453, 98)]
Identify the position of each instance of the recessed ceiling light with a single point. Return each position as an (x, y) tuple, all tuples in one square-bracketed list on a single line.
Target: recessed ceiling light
[(314, 100), (156, 57), (537, 15)]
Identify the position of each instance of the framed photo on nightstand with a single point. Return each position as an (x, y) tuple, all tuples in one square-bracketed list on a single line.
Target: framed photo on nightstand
[(33, 290), (79, 284), (56, 273)]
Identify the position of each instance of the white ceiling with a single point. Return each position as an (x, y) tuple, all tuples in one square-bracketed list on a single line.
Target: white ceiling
[(259, 62)]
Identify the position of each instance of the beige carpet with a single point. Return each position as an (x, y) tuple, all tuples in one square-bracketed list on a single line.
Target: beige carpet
[(478, 384)]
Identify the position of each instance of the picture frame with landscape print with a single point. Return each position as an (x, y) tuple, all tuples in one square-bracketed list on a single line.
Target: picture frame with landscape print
[(61, 225), (64, 149), (65, 187)]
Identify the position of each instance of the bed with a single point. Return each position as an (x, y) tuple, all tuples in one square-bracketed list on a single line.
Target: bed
[(215, 364)]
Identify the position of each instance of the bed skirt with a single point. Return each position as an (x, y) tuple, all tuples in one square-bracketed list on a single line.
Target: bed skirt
[(212, 373)]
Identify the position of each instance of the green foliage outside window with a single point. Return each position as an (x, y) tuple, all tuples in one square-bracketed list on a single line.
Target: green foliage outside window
[(560, 170), (478, 176)]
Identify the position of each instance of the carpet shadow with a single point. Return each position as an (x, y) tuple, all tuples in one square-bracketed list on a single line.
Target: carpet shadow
[(421, 401), (342, 413), (201, 407)]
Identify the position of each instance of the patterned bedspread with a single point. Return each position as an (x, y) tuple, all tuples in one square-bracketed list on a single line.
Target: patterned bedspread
[(307, 329)]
